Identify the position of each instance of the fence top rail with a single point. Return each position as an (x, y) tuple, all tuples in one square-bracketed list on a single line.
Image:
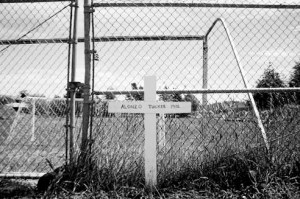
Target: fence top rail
[(104, 39), (148, 38), (29, 98), (201, 91), (31, 1), (203, 5), (34, 41)]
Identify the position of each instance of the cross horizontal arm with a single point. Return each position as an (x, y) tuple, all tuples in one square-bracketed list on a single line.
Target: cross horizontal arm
[(149, 107)]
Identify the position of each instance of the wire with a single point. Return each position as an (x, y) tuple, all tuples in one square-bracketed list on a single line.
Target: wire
[(39, 25)]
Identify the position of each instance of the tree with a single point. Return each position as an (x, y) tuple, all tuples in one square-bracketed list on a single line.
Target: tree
[(135, 96), (174, 97), (24, 93), (295, 82), (110, 96), (165, 97), (178, 97), (193, 99), (270, 79)]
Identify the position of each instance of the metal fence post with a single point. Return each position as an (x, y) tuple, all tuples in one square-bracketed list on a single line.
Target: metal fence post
[(87, 78), (205, 72), (73, 79)]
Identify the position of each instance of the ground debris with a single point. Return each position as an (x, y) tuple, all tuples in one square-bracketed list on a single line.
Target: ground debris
[(17, 188)]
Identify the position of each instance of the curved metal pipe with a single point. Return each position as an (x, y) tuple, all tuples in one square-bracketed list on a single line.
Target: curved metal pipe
[(260, 124)]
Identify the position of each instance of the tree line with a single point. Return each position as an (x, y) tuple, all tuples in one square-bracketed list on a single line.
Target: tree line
[(272, 79)]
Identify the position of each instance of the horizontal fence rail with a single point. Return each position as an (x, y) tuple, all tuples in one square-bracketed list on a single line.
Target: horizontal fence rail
[(197, 5), (32, 1), (201, 91), (102, 39)]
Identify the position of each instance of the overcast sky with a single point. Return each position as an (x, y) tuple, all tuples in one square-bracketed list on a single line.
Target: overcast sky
[(262, 37)]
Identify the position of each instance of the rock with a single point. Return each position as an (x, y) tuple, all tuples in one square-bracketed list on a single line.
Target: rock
[(45, 181)]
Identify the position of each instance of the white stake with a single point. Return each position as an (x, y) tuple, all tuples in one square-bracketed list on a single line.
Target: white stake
[(150, 134), (16, 120)]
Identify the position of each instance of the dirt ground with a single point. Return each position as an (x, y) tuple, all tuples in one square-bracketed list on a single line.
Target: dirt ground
[(18, 188)]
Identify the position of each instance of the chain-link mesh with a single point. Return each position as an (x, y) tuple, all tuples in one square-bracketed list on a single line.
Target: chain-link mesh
[(134, 39), (33, 71), (165, 39)]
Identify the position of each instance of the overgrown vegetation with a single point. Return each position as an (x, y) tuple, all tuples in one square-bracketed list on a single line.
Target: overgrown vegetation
[(248, 175), (251, 174), (295, 81), (229, 167), (206, 157), (272, 79)]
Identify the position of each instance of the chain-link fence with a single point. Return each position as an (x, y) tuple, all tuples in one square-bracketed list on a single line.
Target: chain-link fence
[(33, 76), (189, 46), (257, 45)]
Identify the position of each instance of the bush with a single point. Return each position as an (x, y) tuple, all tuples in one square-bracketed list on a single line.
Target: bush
[(6, 100), (270, 79), (295, 82)]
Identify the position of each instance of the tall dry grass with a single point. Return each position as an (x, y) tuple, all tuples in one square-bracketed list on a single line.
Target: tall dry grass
[(207, 155)]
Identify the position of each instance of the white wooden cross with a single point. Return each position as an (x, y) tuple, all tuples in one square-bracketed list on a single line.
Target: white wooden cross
[(150, 107)]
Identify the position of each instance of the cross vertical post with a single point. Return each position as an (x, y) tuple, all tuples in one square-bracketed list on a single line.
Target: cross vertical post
[(150, 134)]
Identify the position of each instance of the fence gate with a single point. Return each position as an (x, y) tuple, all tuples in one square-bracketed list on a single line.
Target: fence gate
[(190, 48), (34, 54)]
